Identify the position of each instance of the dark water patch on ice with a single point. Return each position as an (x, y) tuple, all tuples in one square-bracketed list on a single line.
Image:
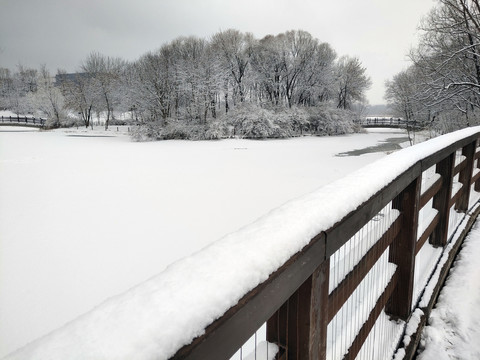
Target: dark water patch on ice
[(389, 145)]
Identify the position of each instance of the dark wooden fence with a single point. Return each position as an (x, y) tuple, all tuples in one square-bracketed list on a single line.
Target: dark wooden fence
[(300, 300), (30, 121)]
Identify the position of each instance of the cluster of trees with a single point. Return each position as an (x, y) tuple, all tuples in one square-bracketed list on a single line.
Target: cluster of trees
[(33, 91), (203, 86), (441, 89)]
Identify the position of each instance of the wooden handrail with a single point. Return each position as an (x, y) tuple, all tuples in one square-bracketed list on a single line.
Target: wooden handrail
[(237, 325), (300, 287)]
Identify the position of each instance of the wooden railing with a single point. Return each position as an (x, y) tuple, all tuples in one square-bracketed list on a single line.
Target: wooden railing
[(388, 122), (318, 296), (22, 121)]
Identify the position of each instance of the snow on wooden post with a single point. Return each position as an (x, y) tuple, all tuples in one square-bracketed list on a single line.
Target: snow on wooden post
[(465, 176), (402, 251), (441, 200)]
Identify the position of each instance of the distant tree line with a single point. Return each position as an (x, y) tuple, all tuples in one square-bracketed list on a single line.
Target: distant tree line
[(230, 84), (441, 89)]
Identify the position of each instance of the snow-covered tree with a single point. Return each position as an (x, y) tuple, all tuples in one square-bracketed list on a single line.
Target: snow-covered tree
[(352, 82), (104, 74), (6, 87), (446, 66), (80, 94), (48, 99), (235, 50), (18, 85)]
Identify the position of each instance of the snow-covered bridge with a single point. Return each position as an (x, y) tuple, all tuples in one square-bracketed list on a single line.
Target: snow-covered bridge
[(387, 122), (26, 121), (348, 271)]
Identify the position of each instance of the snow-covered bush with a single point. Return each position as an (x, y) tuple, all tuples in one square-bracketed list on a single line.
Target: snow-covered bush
[(173, 130), (146, 132), (177, 130), (253, 122), (332, 121), (296, 117), (217, 129)]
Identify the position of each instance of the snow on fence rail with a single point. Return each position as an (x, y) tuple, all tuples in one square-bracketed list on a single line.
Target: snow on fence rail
[(334, 274), (22, 120)]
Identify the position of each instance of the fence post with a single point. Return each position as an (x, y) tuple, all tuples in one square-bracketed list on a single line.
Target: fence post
[(402, 251), (299, 327), (465, 176), (477, 183), (319, 313), (441, 201)]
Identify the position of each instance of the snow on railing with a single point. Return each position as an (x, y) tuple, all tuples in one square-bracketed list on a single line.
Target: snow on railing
[(333, 274)]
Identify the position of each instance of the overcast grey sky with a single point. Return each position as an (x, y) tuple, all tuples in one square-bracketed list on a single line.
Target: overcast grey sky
[(61, 33)]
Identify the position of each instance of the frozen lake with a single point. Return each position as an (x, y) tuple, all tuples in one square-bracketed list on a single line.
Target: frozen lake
[(83, 218)]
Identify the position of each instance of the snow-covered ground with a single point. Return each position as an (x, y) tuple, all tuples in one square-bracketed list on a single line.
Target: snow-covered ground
[(84, 217), (453, 331)]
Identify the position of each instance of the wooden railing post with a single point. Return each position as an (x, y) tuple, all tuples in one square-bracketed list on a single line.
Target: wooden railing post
[(477, 183), (299, 327), (319, 312), (441, 201), (465, 176), (402, 251)]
